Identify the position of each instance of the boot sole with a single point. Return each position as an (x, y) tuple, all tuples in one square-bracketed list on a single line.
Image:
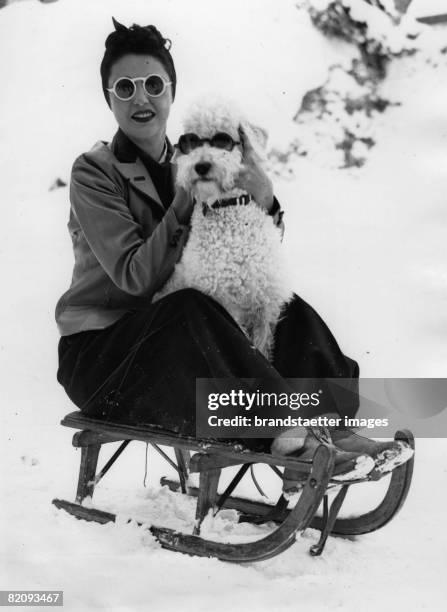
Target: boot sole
[(388, 460), (363, 465)]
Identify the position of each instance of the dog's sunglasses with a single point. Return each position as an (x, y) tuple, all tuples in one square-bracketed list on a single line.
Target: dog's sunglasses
[(221, 140), (125, 88)]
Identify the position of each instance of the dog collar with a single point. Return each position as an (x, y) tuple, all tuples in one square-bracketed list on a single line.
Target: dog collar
[(241, 200)]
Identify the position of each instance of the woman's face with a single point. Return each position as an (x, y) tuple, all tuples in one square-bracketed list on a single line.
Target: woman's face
[(142, 118)]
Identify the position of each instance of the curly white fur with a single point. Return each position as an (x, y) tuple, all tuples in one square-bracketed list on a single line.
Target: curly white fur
[(233, 253)]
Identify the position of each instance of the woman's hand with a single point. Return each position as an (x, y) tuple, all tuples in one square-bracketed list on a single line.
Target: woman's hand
[(252, 178)]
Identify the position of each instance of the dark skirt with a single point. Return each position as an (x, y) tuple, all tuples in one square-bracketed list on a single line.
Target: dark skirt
[(143, 368)]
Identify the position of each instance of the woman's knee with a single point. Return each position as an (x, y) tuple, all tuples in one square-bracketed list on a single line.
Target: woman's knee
[(196, 309), (190, 300), (169, 305), (186, 296)]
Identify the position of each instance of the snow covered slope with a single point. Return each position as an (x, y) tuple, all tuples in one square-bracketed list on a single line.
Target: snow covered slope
[(369, 253)]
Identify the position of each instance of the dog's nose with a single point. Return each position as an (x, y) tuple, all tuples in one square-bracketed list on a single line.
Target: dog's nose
[(202, 168)]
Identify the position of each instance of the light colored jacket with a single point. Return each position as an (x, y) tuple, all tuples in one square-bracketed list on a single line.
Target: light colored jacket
[(125, 242)]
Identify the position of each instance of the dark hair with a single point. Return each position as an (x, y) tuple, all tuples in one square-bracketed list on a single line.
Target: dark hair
[(138, 40)]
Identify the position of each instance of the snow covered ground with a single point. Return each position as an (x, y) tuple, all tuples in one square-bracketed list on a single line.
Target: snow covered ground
[(369, 250)]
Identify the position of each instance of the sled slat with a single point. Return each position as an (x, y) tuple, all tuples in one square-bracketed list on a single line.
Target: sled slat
[(89, 438), (120, 431)]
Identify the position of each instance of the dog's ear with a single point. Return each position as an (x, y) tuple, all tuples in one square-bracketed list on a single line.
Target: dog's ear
[(258, 135), (258, 138)]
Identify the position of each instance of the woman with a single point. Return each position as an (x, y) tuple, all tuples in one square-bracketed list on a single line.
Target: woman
[(123, 358)]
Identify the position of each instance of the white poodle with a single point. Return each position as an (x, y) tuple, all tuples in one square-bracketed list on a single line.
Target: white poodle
[(233, 253)]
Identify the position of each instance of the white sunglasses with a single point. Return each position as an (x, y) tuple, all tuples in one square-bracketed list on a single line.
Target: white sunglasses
[(125, 88)]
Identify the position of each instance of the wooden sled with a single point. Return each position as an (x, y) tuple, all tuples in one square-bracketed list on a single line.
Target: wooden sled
[(208, 460)]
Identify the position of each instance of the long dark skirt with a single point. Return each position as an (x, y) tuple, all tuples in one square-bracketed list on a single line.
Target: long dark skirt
[(143, 368)]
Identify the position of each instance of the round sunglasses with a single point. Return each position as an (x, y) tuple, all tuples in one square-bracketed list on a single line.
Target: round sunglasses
[(221, 140), (125, 88)]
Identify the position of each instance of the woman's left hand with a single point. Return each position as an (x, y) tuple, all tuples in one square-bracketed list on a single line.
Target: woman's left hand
[(252, 178)]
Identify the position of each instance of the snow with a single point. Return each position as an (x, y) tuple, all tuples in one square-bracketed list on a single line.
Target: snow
[(369, 250)]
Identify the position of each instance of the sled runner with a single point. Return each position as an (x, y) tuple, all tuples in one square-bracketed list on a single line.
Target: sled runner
[(208, 460)]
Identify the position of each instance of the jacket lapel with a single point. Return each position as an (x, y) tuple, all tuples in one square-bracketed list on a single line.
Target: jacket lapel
[(130, 166), (140, 179)]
